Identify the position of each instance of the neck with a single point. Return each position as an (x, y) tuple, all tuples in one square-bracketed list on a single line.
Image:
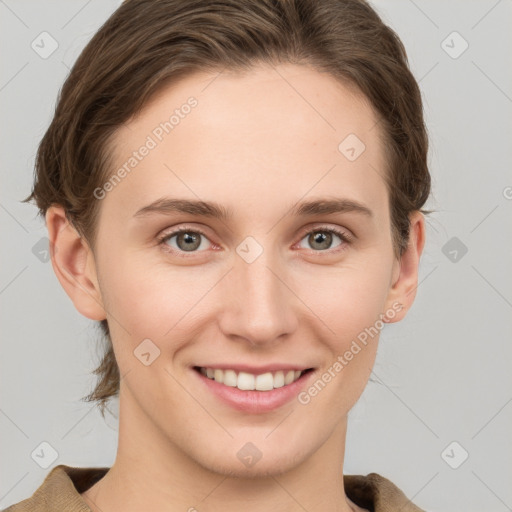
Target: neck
[(153, 473)]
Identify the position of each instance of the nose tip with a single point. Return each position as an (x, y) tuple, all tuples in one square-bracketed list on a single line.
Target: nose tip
[(257, 305)]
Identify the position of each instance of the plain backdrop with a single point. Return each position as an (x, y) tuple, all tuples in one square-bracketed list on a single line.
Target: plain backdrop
[(436, 416)]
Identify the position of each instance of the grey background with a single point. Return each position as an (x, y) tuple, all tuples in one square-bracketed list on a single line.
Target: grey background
[(442, 375)]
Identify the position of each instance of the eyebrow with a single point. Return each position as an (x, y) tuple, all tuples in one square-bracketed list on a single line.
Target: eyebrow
[(211, 209)]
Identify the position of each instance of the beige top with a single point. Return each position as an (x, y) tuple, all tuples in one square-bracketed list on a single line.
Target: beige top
[(62, 487)]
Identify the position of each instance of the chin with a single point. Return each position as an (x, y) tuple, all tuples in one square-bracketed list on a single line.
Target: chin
[(249, 462)]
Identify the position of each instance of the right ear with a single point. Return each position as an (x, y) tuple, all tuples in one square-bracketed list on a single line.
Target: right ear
[(73, 264)]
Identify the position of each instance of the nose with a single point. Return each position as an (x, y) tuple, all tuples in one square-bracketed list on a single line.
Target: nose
[(258, 305)]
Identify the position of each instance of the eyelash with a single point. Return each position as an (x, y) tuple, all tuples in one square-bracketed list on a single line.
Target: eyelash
[(345, 237)]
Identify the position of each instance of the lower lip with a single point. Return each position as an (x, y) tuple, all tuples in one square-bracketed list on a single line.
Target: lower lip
[(255, 401)]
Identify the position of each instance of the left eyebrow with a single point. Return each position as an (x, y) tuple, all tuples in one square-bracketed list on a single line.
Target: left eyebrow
[(215, 210), (200, 208)]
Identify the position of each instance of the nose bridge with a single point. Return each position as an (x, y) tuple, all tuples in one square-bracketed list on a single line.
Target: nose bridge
[(259, 305)]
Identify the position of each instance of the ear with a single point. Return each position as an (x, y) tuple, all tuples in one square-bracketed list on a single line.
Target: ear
[(73, 264), (405, 272)]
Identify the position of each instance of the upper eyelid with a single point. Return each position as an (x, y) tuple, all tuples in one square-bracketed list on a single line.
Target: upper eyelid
[(325, 227), (179, 230)]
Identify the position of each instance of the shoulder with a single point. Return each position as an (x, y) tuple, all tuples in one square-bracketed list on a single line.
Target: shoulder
[(61, 490), (377, 493)]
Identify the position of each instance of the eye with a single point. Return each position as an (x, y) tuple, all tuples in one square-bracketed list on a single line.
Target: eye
[(321, 239), (191, 240), (186, 240)]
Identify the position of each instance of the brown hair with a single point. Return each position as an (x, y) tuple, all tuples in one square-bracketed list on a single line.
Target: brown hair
[(146, 44)]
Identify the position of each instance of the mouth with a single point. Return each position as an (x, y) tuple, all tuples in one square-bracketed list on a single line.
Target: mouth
[(246, 381), (253, 393)]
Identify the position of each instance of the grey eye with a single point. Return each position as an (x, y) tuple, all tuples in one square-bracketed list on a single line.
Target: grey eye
[(186, 240), (321, 239)]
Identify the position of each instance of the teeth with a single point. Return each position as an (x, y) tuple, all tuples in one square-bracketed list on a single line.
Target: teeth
[(247, 381), (264, 382), (244, 381), (279, 379), (230, 378)]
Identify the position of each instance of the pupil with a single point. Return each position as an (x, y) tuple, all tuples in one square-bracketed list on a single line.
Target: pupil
[(324, 239), (191, 241)]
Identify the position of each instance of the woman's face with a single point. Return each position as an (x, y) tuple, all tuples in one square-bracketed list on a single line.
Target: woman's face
[(267, 286)]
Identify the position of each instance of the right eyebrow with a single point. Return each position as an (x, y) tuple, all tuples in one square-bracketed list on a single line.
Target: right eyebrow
[(201, 208), (329, 206)]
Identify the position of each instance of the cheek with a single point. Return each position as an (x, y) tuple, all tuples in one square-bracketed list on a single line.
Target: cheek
[(349, 303), (347, 299), (148, 301)]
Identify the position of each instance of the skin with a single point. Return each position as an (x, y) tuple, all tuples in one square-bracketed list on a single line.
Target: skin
[(256, 143)]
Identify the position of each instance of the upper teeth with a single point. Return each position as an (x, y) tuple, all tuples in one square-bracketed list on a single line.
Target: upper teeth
[(248, 381)]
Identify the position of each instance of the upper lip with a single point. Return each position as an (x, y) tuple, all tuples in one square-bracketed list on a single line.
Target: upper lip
[(256, 370)]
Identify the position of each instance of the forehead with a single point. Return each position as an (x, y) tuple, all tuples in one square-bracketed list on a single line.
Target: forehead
[(269, 135)]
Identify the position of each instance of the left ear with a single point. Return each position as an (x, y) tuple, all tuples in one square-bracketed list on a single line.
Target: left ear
[(405, 271)]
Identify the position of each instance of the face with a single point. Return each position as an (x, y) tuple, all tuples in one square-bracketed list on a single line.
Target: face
[(281, 281)]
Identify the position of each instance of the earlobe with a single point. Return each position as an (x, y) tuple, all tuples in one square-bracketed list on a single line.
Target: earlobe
[(403, 290), (73, 264)]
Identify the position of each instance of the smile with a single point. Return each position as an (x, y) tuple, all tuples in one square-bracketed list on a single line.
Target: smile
[(248, 381)]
